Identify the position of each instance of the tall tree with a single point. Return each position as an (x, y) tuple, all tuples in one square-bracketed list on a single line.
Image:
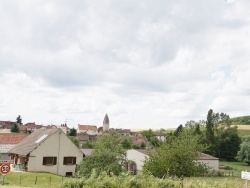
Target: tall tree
[(228, 144), (178, 130), (177, 157), (72, 132), (19, 120), (210, 132)]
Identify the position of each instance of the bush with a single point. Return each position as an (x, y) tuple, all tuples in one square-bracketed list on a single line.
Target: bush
[(123, 181)]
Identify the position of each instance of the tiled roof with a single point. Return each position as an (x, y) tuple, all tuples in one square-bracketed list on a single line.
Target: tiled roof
[(32, 141), (87, 152), (11, 138), (87, 127), (139, 140), (203, 156), (22, 128), (82, 137), (30, 125), (123, 131)]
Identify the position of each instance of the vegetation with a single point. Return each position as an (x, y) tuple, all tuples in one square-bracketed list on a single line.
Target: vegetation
[(109, 157), (177, 157), (242, 120), (244, 152), (29, 179), (123, 181), (19, 120), (72, 132), (14, 128), (222, 139)]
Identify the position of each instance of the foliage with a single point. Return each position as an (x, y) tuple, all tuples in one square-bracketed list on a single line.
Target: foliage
[(14, 128), (72, 132), (101, 161), (155, 142), (74, 140), (88, 144), (19, 120), (178, 130), (242, 120), (210, 132), (126, 144), (109, 156), (176, 157), (142, 145), (148, 134), (244, 152), (27, 179), (228, 144), (124, 181)]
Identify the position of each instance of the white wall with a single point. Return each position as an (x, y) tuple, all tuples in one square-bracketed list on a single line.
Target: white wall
[(214, 164), (57, 145), (137, 157)]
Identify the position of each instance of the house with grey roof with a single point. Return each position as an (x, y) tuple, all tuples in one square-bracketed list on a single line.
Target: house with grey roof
[(47, 150)]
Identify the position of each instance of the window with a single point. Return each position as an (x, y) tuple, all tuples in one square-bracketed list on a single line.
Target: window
[(49, 161), (69, 174), (69, 160)]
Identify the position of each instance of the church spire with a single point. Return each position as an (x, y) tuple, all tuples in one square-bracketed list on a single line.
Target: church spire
[(106, 123)]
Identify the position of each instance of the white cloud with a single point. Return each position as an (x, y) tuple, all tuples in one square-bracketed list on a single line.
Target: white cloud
[(147, 64)]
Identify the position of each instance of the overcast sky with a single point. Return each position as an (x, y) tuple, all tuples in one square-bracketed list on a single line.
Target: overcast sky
[(147, 64)]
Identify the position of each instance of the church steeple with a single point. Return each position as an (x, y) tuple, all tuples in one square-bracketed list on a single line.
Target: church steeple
[(106, 123)]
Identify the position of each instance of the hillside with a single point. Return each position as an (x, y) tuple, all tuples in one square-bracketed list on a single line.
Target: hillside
[(242, 120)]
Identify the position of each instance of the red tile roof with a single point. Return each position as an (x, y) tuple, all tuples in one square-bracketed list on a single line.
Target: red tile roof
[(87, 127), (11, 138), (31, 125)]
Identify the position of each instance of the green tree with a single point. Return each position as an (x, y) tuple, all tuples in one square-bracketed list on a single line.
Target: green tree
[(155, 142), (148, 134), (14, 128), (126, 144), (100, 161), (228, 144), (19, 120), (210, 132), (244, 152), (177, 157), (72, 132), (142, 145), (88, 144), (178, 130), (109, 156)]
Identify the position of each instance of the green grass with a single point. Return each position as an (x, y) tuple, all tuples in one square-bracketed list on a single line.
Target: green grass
[(237, 166), (27, 179), (209, 182)]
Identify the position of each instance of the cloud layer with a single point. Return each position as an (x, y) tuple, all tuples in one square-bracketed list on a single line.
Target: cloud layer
[(147, 64)]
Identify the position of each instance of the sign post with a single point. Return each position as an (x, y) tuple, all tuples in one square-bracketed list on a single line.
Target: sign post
[(5, 168), (246, 176)]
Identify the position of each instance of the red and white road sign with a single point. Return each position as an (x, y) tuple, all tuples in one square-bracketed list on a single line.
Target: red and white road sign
[(5, 168)]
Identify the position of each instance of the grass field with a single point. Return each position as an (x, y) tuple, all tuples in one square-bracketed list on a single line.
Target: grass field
[(28, 179)]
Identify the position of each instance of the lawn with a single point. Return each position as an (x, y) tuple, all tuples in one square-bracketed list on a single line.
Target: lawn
[(209, 182), (29, 179)]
